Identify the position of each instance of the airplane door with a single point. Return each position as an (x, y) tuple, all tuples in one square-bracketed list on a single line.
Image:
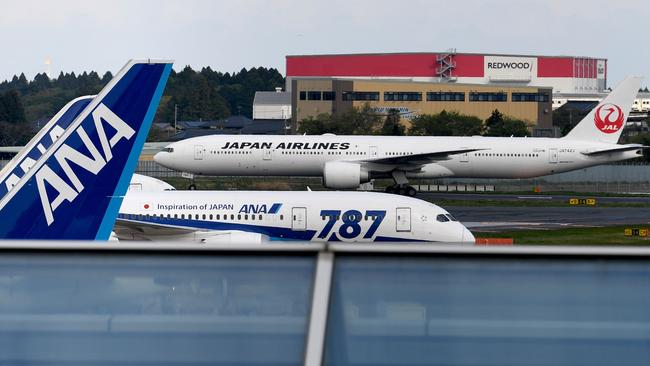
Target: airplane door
[(299, 218), (198, 152), (552, 156), (268, 154), (464, 158), (374, 152), (403, 219)]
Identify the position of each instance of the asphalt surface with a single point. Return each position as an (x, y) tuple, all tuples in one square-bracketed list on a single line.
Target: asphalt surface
[(432, 197), (485, 218)]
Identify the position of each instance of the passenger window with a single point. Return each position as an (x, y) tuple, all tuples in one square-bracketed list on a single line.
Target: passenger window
[(442, 218), (210, 216), (245, 217), (281, 217), (261, 217)]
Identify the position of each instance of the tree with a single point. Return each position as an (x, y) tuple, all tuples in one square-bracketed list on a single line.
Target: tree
[(356, 121), (499, 125), (11, 108), (445, 124), (392, 124)]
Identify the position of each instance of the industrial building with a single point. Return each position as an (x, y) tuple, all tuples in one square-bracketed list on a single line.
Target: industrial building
[(313, 96), (565, 74)]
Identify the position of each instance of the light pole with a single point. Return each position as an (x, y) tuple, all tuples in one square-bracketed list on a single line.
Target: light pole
[(175, 117)]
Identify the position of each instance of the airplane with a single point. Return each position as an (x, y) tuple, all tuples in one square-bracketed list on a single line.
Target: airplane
[(38, 145), (73, 187), (348, 161), (154, 211)]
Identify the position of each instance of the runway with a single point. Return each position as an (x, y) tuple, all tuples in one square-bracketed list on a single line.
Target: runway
[(432, 197), (526, 218)]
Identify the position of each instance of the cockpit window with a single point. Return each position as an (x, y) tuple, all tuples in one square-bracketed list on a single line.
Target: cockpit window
[(168, 149), (442, 218), (451, 217)]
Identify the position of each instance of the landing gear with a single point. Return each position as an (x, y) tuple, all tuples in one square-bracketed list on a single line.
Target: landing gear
[(189, 176), (404, 190), (401, 185)]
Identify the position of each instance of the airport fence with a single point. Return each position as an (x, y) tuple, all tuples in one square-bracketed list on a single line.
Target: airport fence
[(614, 178)]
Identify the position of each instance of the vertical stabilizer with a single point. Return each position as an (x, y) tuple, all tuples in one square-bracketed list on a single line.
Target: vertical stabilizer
[(605, 123), (75, 189)]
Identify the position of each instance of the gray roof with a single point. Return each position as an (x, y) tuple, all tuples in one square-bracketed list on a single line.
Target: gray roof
[(272, 98)]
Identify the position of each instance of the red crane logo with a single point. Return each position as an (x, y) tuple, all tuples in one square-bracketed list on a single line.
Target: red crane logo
[(609, 118)]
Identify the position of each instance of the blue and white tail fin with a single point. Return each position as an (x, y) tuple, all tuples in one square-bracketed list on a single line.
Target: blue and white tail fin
[(605, 123), (40, 143), (75, 189)]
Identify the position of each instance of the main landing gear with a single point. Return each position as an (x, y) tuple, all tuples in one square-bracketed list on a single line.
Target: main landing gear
[(189, 176), (401, 185), (404, 190)]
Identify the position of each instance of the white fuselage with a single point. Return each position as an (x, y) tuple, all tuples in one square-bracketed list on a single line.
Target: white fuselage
[(497, 157), (311, 216)]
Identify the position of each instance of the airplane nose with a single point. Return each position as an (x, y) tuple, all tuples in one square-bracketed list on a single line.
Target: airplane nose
[(467, 236), (157, 157), (162, 158)]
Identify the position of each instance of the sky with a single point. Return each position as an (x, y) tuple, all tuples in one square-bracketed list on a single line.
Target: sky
[(230, 35)]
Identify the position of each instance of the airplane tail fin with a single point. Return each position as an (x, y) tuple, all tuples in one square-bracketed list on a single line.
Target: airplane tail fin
[(40, 143), (75, 189), (605, 123)]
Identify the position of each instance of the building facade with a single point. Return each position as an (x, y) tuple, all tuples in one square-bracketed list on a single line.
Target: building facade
[(313, 96), (565, 74)]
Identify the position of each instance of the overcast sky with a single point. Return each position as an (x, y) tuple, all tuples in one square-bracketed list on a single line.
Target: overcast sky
[(228, 35)]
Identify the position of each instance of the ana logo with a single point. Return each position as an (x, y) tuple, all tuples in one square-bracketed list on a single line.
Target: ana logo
[(609, 118)]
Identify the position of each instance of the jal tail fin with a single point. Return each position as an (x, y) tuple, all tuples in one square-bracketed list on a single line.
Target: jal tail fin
[(74, 191), (40, 143), (605, 123)]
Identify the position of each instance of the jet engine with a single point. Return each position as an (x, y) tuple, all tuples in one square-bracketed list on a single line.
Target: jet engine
[(343, 174)]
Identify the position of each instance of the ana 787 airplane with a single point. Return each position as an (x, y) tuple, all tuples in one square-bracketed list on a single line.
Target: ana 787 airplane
[(255, 216), (69, 181), (348, 161)]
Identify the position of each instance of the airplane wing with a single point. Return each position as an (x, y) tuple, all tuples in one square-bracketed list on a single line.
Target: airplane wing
[(619, 148), (420, 159), (130, 228)]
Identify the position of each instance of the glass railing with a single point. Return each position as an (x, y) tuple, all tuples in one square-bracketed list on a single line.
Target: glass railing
[(322, 304)]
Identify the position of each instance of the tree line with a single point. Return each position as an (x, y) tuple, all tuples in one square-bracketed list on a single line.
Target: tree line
[(189, 95), (365, 121)]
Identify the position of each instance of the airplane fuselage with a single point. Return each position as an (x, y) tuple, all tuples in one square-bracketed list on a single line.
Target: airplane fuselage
[(310, 216), (496, 157)]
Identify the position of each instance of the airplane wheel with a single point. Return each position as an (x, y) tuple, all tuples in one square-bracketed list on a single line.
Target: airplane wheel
[(192, 187), (389, 189), (410, 191)]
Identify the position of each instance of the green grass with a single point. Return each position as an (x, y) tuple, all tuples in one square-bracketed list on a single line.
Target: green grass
[(529, 203), (611, 235)]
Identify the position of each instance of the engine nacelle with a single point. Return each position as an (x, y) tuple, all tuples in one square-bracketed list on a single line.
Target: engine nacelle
[(234, 237), (343, 174)]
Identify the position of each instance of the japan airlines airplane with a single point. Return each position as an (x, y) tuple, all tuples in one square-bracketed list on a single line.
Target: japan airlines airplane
[(348, 161), (69, 181), (256, 217)]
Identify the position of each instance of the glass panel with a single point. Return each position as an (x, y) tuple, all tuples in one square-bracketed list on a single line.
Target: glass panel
[(175, 309), (437, 311)]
